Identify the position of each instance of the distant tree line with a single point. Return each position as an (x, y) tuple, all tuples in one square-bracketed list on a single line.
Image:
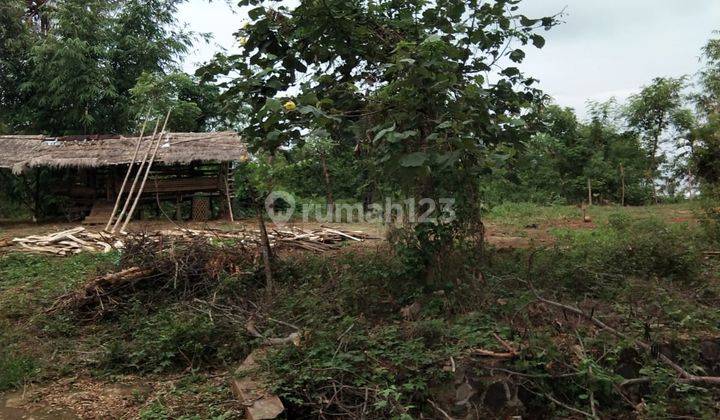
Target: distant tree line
[(333, 116)]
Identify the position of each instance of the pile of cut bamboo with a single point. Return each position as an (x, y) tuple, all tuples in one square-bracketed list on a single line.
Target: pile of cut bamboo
[(67, 242), (77, 240), (317, 240)]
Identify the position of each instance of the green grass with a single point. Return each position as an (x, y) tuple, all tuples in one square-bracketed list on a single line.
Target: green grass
[(520, 215), (29, 282), (15, 370)]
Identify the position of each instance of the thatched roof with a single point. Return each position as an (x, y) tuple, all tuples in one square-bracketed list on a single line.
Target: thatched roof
[(22, 152)]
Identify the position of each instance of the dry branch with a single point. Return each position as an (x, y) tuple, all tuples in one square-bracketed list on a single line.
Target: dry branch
[(99, 288), (684, 375)]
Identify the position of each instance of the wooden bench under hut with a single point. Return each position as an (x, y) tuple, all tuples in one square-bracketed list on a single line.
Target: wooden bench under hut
[(193, 171)]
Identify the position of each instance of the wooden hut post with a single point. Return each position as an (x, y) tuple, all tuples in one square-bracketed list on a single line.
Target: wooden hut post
[(178, 207)]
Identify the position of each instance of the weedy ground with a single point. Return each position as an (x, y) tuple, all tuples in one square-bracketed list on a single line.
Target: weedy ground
[(379, 343)]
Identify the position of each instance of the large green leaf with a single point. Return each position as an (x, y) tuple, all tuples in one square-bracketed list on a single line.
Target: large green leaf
[(413, 160), (384, 132)]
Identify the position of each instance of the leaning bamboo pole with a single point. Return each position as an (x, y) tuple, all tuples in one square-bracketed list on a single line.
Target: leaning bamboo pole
[(127, 175), (137, 177), (227, 194), (147, 173)]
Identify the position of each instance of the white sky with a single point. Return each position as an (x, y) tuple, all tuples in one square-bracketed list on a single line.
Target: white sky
[(605, 48)]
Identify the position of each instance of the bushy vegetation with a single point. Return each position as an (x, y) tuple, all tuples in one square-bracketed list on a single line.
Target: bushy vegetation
[(375, 340), (15, 370), (360, 345)]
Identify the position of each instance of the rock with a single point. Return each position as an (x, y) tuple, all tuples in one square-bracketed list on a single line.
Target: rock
[(710, 351), (249, 389), (495, 397)]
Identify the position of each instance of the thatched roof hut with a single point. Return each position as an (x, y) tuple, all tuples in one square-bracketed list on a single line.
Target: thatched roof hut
[(20, 153)]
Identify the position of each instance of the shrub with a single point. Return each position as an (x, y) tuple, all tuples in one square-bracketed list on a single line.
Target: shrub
[(173, 338), (583, 260)]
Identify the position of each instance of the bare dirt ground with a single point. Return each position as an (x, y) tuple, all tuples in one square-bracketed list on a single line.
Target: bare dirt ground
[(518, 232)]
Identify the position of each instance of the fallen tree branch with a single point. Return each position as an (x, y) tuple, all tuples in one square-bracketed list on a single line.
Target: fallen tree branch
[(684, 375), (505, 344), (99, 287), (488, 353), (443, 412)]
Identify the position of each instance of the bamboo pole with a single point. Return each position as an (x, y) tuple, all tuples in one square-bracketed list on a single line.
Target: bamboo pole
[(147, 173), (127, 175), (137, 177), (227, 197)]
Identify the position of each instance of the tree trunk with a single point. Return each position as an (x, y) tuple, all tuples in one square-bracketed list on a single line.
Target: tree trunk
[(655, 146), (328, 188), (36, 196), (266, 251), (651, 173), (622, 185)]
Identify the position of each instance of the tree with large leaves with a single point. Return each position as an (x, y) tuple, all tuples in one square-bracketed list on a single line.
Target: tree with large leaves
[(426, 91)]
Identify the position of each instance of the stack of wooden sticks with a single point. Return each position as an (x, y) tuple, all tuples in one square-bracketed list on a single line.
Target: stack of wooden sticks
[(77, 240), (67, 242)]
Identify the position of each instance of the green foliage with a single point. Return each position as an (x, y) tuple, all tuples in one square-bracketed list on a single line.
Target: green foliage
[(646, 249), (402, 82), (169, 339), (16, 39), (705, 139), (656, 113), (554, 166), (78, 71), (194, 106)]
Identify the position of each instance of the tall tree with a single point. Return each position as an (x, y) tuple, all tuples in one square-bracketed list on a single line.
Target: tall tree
[(706, 137), (80, 66), (16, 39), (657, 109)]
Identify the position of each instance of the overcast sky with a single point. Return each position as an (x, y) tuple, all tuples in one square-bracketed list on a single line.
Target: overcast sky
[(605, 48)]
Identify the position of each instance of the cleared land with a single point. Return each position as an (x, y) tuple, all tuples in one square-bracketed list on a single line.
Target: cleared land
[(159, 352)]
